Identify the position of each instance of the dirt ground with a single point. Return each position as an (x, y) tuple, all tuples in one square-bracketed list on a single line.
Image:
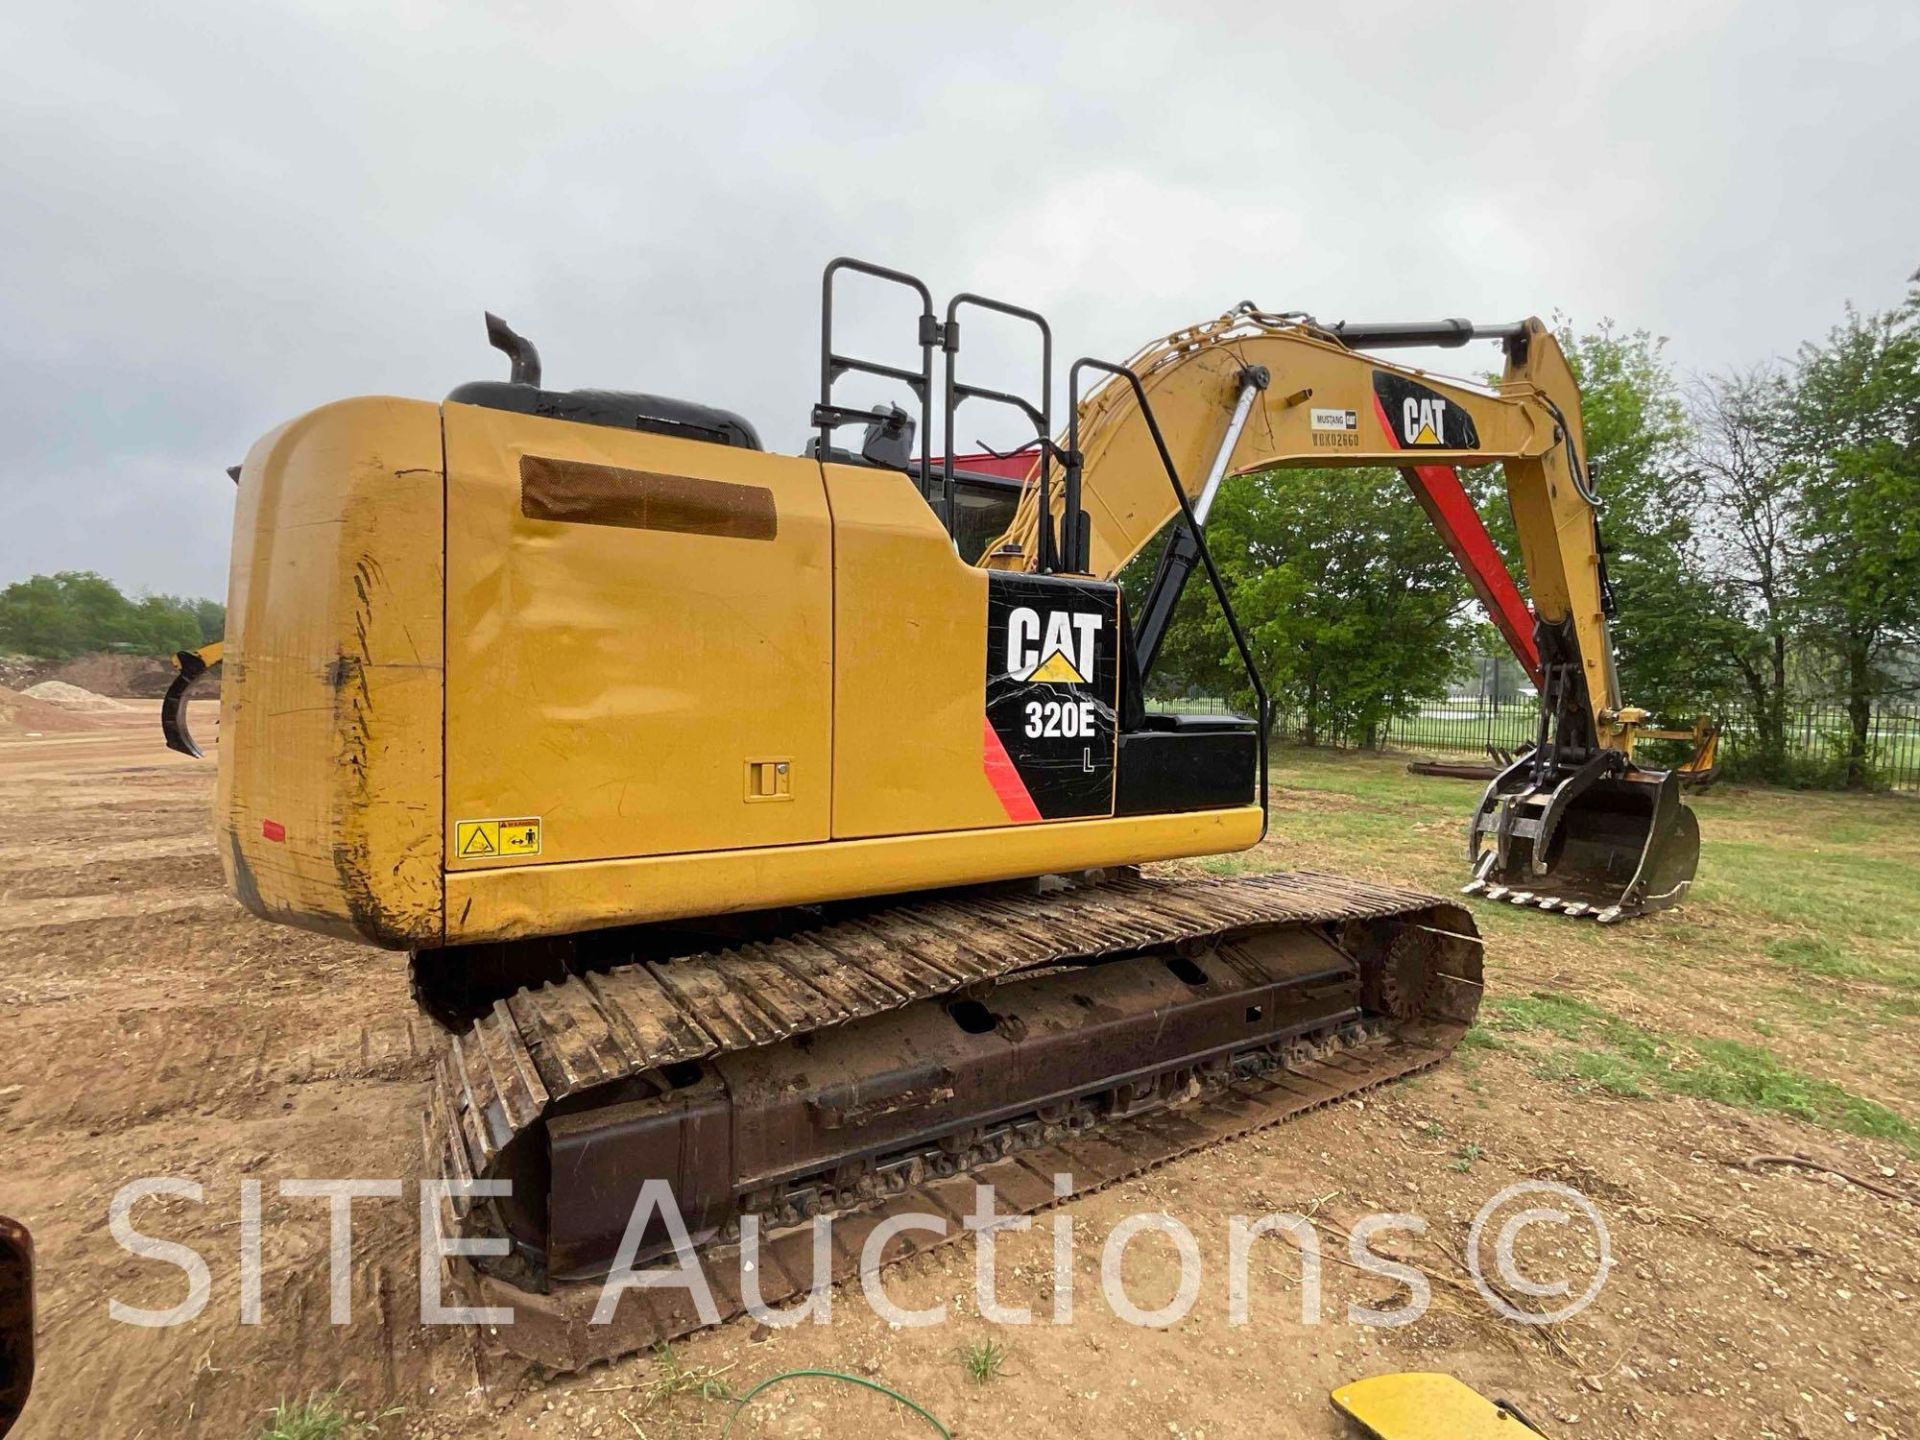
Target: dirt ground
[(153, 1029)]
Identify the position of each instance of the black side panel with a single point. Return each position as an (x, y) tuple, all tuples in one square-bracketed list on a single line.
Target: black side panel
[(1166, 771), (622, 409), (1053, 678)]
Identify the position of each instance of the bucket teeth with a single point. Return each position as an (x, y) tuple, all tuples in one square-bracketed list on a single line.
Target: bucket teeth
[(1597, 837)]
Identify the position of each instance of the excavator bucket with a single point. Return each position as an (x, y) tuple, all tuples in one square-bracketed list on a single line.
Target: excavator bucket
[(1604, 840)]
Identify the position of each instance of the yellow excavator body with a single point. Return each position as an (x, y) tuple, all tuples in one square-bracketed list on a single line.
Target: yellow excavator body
[(570, 677), (760, 824)]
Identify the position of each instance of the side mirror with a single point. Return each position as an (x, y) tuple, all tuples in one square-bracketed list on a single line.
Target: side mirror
[(889, 439), (16, 1320)]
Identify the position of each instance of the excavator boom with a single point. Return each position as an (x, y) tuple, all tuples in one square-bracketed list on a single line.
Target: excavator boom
[(1574, 824)]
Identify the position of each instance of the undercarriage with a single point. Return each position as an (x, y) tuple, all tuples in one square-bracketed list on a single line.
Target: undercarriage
[(885, 1062)]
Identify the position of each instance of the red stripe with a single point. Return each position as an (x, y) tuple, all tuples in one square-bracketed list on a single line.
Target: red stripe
[(1445, 500), (1448, 506), (1004, 778), (1386, 425)]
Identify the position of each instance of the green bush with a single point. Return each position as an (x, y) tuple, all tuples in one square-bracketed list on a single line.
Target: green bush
[(1821, 767), (76, 612)]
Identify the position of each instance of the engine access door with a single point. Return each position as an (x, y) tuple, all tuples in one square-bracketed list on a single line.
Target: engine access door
[(639, 644)]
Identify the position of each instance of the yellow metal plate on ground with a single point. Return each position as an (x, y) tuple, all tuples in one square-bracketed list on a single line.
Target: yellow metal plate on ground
[(1427, 1407)]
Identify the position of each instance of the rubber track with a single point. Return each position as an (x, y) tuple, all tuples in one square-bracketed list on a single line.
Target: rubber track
[(546, 1043)]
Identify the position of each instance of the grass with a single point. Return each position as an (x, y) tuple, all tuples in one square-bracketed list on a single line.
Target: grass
[(1814, 1007), (319, 1416), (1827, 958), (1603, 1051), (672, 1377), (1801, 936), (1825, 889), (1225, 864), (983, 1359)]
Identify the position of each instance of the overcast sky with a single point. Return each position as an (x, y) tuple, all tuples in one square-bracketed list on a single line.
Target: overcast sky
[(214, 216)]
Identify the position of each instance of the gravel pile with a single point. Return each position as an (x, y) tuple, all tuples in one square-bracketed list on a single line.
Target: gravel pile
[(24, 715), (73, 697)]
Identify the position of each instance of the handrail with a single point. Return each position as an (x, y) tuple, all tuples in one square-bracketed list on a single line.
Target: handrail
[(826, 414), (957, 391), (1193, 528)]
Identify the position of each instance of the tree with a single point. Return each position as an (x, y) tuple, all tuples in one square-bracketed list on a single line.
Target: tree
[(1739, 450), (1854, 414), (1672, 635), (210, 616), (1351, 604), (56, 617)]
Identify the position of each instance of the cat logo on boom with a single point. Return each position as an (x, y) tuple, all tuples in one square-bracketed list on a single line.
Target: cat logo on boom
[(1418, 417), (1054, 650), (1420, 422)]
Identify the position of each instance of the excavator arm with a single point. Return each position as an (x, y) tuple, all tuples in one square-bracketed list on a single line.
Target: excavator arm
[(1572, 824), (1317, 401)]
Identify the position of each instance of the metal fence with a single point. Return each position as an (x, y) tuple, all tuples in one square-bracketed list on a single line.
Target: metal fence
[(1816, 734), (1816, 740), (1819, 733), (1469, 724)]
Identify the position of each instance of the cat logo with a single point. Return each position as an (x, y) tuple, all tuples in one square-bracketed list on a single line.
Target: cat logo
[(1418, 417), (1055, 651), (1421, 421)]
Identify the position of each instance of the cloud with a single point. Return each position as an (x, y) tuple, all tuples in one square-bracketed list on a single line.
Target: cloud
[(217, 218)]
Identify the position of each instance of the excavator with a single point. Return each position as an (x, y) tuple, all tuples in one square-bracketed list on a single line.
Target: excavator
[(772, 826)]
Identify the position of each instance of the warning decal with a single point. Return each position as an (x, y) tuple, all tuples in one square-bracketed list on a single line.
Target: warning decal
[(488, 839)]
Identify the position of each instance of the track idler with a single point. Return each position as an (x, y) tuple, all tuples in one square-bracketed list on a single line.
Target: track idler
[(1605, 838)]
